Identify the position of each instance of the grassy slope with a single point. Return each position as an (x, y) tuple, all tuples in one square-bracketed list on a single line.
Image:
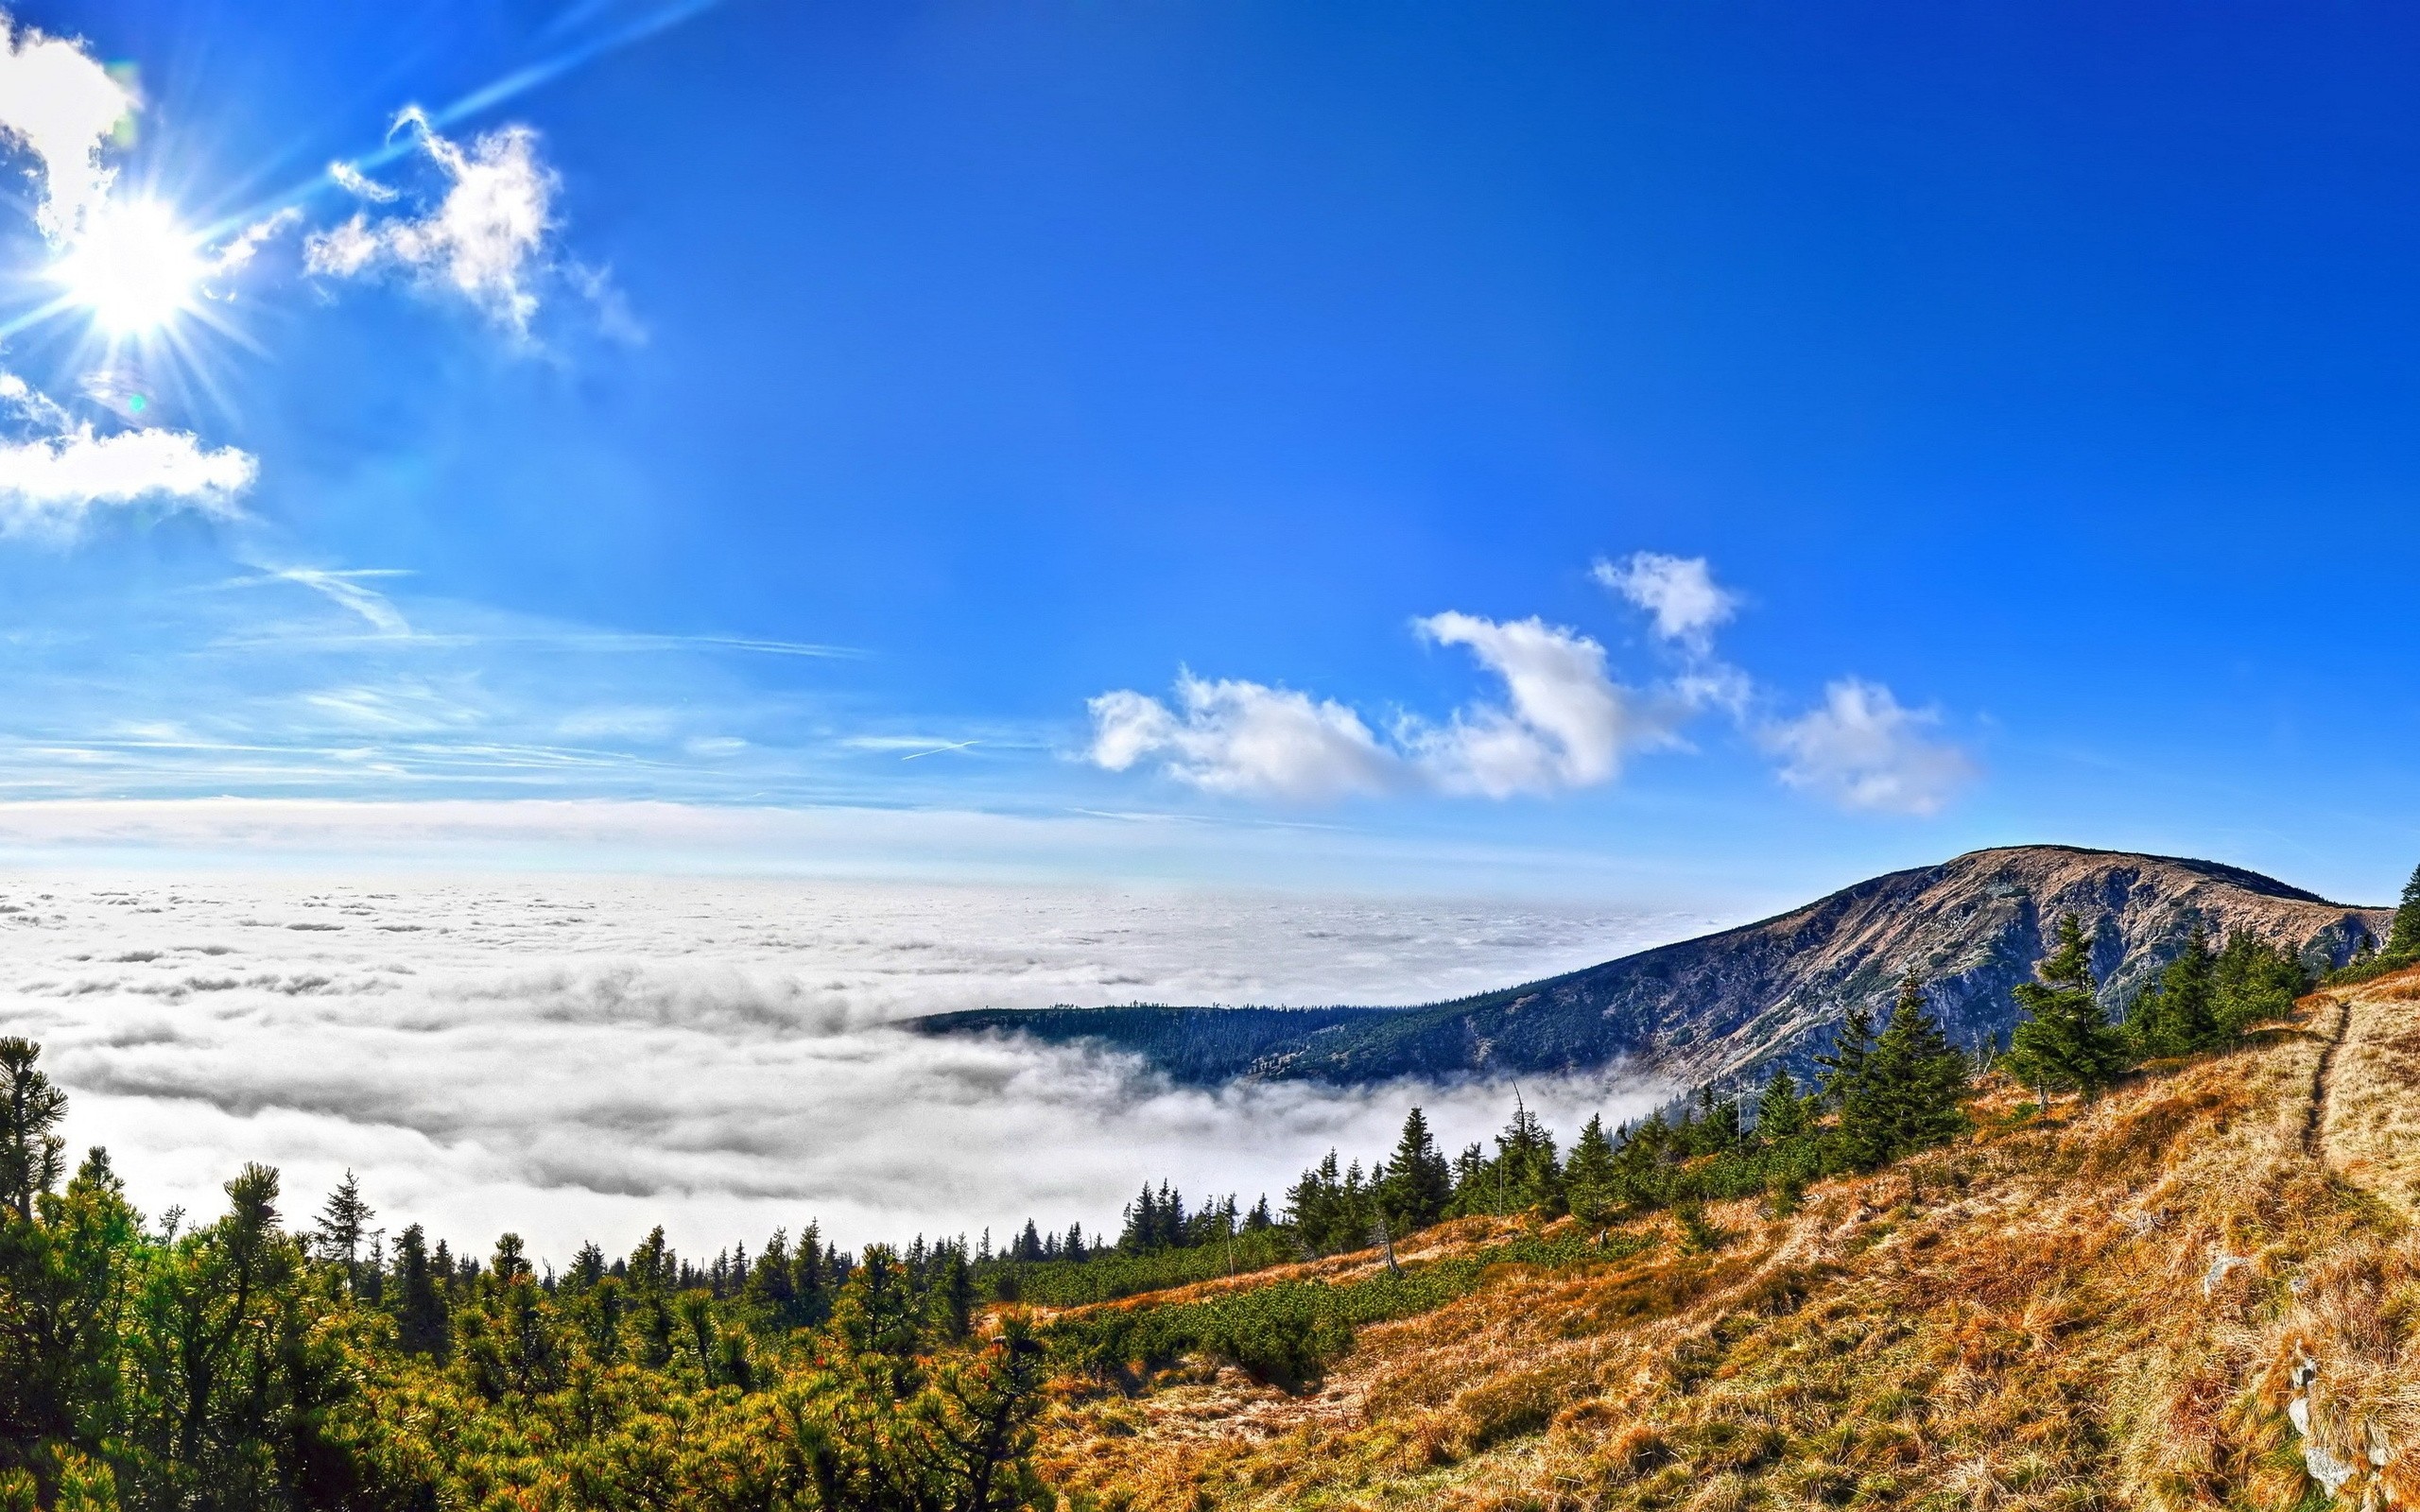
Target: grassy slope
[(2036, 1318)]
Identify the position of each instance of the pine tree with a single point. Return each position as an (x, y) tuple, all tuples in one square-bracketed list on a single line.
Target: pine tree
[(1590, 1185), (1909, 1088), (1527, 1175), (344, 1223), (1418, 1183), (1782, 1114), (2252, 982), (419, 1310), (2065, 1040), (2174, 1016), (2403, 935), (1845, 1068), (31, 1156)]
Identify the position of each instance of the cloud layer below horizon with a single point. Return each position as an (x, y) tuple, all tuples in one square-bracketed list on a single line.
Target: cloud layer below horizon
[(578, 1057)]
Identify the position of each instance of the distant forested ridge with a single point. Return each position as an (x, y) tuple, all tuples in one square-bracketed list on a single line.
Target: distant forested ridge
[(1193, 1046), (1728, 1007)]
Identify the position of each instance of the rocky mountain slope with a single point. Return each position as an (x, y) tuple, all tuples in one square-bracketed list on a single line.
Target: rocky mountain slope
[(2193, 1293), (1710, 1008)]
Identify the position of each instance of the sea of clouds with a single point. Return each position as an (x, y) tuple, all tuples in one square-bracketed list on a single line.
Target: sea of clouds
[(578, 1057)]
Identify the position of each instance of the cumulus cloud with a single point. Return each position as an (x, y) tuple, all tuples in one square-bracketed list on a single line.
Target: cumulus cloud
[(59, 105), (1564, 721), (1862, 751), (1567, 724), (485, 239), (1564, 724), (50, 482), (1680, 592), (582, 1057), (1245, 738)]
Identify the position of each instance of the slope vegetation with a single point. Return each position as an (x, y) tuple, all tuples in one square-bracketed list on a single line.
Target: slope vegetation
[(2188, 1294), (1708, 1009)]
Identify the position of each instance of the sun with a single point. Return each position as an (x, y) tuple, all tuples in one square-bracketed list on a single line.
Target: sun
[(132, 266)]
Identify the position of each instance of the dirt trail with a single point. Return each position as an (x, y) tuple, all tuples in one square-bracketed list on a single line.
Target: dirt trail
[(2364, 1123), (2322, 1079)]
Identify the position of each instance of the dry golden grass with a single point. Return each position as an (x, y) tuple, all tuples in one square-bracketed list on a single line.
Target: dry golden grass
[(2372, 1125), (2112, 1309)]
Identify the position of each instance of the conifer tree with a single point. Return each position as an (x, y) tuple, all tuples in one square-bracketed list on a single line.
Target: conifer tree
[(420, 1311), (31, 1155), (1909, 1088), (1781, 1113), (2175, 1015), (2253, 981), (1845, 1068), (1418, 1183), (1590, 1184), (2403, 935), (344, 1224), (2065, 1040), (1527, 1176)]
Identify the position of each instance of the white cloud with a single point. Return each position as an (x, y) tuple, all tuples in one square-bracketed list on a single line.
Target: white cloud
[(580, 1056), (1862, 751), (484, 239), (51, 482), (345, 588), (1245, 738), (59, 104), (1680, 591), (1565, 724), (353, 182), (1568, 725)]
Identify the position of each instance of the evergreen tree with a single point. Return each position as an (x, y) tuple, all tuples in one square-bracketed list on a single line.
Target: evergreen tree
[(420, 1311), (1909, 1088), (2403, 935), (1782, 1114), (30, 1107), (1845, 1068), (1590, 1186), (1418, 1183), (952, 1293), (344, 1224), (2065, 1040), (2175, 1015), (2252, 982), (1527, 1176)]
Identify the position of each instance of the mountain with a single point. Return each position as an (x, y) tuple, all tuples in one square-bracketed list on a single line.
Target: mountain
[(1710, 1008)]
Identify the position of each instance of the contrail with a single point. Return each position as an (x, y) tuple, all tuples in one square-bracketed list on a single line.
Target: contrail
[(919, 755)]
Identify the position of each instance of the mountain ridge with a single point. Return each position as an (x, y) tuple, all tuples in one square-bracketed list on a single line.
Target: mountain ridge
[(1717, 1006)]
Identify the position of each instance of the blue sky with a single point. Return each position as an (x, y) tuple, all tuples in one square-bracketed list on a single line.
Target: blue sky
[(2013, 410)]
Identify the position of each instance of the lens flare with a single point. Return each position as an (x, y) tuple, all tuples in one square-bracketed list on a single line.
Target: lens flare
[(132, 266)]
